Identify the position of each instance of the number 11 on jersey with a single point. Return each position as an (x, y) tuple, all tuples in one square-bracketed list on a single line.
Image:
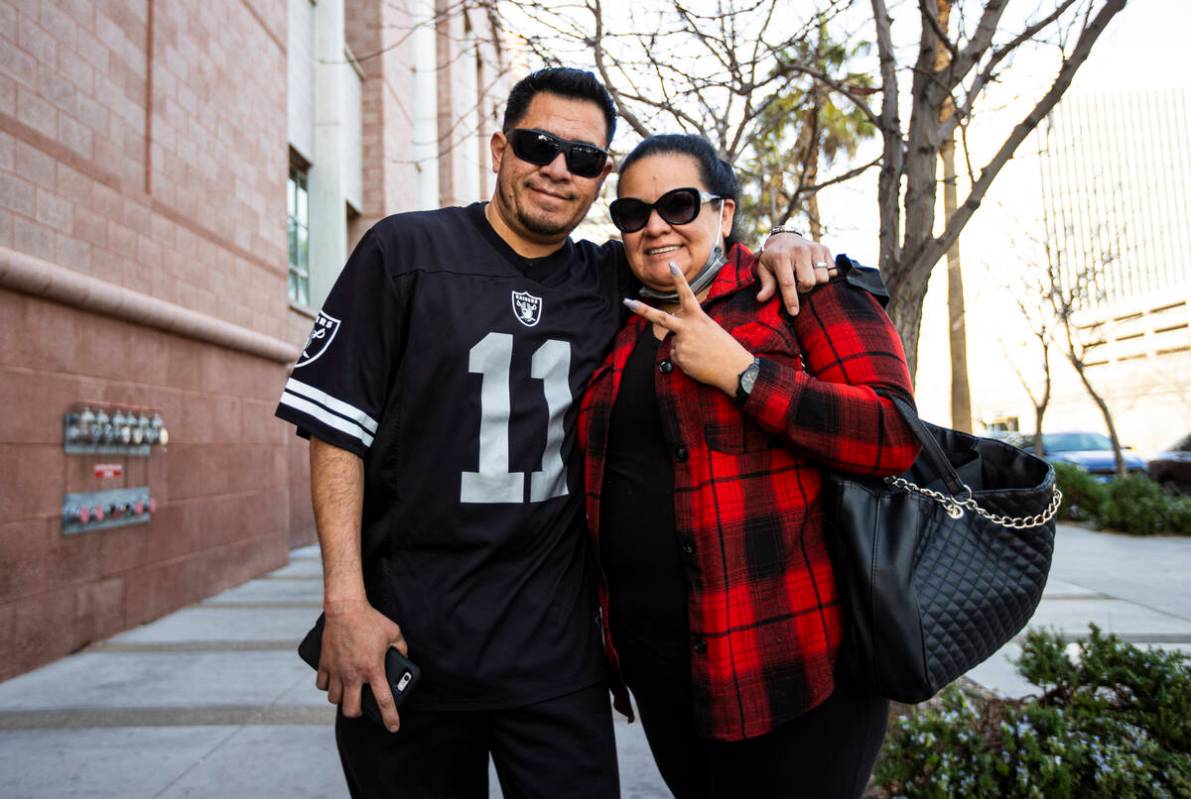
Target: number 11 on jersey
[(492, 358)]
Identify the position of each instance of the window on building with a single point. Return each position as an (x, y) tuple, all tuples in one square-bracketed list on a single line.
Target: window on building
[(298, 213)]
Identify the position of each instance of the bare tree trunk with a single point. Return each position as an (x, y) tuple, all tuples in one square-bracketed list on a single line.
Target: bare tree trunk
[(812, 202), (1077, 362), (1039, 442), (808, 156), (812, 210), (1040, 407), (1039, 404), (1117, 454), (961, 393), (905, 310)]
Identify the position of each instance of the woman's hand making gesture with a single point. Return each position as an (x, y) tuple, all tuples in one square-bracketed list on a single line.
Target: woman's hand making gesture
[(700, 347)]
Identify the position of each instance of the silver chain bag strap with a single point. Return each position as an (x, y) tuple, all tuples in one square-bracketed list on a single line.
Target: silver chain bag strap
[(941, 566)]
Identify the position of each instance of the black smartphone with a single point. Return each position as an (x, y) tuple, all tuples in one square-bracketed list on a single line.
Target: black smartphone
[(400, 671)]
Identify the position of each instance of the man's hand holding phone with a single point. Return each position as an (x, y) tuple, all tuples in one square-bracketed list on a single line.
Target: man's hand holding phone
[(355, 642)]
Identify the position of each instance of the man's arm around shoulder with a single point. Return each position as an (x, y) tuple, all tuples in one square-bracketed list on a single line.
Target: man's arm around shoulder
[(356, 636)]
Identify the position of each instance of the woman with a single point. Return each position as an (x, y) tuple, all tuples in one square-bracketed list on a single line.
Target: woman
[(707, 431)]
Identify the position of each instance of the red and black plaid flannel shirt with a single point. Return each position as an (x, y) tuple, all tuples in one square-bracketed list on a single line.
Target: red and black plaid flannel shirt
[(765, 618)]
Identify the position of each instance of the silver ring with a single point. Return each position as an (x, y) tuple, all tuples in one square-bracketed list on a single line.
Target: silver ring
[(820, 264)]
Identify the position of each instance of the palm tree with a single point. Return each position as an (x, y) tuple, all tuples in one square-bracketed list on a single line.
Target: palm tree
[(802, 133)]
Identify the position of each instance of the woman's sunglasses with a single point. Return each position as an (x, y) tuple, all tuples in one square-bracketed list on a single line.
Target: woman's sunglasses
[(540, 148), (677, 207)]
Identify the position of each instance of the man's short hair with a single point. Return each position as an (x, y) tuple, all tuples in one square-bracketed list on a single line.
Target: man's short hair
[(578, 84)]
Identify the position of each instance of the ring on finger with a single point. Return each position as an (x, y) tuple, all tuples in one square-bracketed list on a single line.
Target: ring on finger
[(820, 264)]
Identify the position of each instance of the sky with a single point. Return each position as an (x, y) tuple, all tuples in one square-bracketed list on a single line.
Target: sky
[(1146, 45)]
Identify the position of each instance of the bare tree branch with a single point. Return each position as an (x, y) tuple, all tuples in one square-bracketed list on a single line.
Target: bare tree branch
[(1044, 106), (597, 47), (981, 40), (986, 75), (802, 191)]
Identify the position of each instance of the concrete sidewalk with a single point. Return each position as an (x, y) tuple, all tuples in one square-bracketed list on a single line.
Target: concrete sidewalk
[(1133, 587), (213, 701), (210, 701)]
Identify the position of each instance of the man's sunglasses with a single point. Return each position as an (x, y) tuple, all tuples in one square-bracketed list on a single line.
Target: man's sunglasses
[(541, 148), (677, 207)]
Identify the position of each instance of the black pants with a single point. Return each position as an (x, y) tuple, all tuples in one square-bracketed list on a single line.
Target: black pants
[(560, 747), (827, 753)]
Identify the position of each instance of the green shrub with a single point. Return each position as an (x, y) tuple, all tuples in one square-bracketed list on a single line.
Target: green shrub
[(1083, 495), (1115, 722), (1136, 504), (1180, 515)]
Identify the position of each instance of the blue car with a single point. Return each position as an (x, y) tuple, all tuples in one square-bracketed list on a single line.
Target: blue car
[(1091, 452)]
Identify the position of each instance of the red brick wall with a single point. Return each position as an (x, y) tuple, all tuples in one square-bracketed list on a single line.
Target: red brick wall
[(209, 234), (160, 168), (221, 485), (297, 456)]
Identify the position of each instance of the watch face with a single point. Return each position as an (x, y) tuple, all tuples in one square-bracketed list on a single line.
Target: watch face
[(749, 377)]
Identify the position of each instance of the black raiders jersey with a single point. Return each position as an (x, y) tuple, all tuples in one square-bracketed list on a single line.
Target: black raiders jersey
[(453, 367)]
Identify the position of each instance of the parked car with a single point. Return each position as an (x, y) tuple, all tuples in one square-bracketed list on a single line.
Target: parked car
[(1172, 468), (1091, 452)]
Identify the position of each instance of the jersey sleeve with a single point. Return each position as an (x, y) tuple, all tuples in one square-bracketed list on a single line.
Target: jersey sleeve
[(340, 382), (627, 284)]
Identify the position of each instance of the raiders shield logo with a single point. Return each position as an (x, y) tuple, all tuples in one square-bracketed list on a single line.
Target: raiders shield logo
[(325, 328), (527, 308)]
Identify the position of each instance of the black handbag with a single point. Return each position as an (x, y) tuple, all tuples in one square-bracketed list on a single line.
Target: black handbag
[(941, 566)]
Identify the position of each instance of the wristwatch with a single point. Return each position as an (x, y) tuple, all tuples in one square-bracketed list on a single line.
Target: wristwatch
[(746, 380)]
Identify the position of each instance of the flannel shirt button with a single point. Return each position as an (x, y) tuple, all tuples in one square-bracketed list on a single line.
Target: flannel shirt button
[(688, 548), (680, 454), (700, 646), (665, 367)]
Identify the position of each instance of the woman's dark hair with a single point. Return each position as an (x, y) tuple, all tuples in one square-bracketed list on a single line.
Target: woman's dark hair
[(577, 84), (717, 175)]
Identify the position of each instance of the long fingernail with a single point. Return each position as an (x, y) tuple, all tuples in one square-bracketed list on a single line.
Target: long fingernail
[(631, 303), (674, 269)]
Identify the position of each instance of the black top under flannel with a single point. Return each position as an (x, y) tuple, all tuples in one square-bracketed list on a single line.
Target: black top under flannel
[(639, 548), (453, 373)]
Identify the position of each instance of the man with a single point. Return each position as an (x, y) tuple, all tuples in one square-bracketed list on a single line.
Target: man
[(437, 391)]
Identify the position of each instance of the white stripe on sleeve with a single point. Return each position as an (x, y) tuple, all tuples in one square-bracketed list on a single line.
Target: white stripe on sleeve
[(338, 406), (326, 417)]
